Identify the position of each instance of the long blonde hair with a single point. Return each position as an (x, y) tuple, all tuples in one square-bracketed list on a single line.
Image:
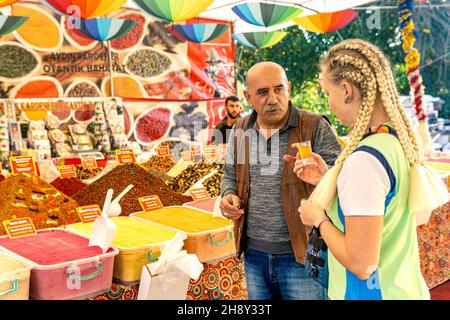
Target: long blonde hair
[(366, 68)]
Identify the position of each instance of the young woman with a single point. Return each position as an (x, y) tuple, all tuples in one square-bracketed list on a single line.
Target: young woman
[(369, 224)]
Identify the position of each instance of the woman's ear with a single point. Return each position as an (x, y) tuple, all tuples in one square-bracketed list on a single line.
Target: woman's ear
[(348, 91)]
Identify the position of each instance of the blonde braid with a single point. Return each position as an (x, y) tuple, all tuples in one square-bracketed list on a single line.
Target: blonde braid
[(390, 99), (363, 77)]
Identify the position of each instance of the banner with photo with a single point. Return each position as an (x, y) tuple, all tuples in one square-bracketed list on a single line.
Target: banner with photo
[(46, 57)]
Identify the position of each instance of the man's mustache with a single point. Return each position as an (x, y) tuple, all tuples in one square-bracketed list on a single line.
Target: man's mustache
[(273, 107)]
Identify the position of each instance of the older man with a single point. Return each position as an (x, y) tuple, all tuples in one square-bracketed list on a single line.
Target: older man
[(262, 186)]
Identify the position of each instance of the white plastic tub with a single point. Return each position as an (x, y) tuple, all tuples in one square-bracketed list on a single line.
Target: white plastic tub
[(14, 279)]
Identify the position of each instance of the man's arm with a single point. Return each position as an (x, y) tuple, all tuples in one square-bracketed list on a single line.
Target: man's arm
[(228, 183), (326, 143)]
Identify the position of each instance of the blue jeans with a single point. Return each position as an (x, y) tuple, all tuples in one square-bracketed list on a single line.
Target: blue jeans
[(279, 277)]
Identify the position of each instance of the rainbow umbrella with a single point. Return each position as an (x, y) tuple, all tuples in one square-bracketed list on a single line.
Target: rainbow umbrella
[(9, 24), (105, 29), (259, 39), (200, 32), (327, 21), (174, 10), (87, 8), (265, 14), (4, 3)]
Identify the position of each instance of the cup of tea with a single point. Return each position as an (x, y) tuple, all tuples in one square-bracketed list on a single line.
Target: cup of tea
[(305, 152)]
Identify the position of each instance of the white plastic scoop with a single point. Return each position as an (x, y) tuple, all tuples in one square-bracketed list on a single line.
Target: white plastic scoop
[(104, 229), (115, 209), (199, 183)]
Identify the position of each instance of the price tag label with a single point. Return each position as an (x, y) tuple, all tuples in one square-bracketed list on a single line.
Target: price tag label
[(89, 213), (18, 228), (150, 203), (125, 156), (196, 150), (163, 151), (187, 156), (211, 153), (67, 172), (222, 150), (89, 164), (23, 164), (199, 194)]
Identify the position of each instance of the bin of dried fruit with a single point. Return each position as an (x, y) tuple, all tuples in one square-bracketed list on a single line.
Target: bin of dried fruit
[(68, 186), (163, 164), (145, 184), (163, 176), (193, 173), (29, 196), (85, 174)]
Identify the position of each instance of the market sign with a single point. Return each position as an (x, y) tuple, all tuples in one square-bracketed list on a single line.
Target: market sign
[(68, 171), (23, 164), (125, 156), (150, 203), (163, 151), (211, 153), (89, 164), (18, 228), (199, 194), (89, 213)]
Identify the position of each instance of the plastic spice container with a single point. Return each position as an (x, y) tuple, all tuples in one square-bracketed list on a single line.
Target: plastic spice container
[(208, 237), (139, 244), (64, 265), (206, 205), (14, 279)]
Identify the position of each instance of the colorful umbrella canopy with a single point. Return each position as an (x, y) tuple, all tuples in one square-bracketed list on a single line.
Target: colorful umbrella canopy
[(259, 39), (105, 29), (174, 10), (88, 8), (9, 24), (326, 22), (265, 14), (4, 3), (200, 32)]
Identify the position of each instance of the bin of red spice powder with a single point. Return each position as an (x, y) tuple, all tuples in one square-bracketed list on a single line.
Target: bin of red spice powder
[(68, 186)]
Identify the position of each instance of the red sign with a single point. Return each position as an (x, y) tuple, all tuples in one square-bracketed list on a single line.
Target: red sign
[(199, 194), (67, 172), (163, 151), (89, 213), (125, 156), (18, 228), (150, 203), (89, 164), (24, 164)]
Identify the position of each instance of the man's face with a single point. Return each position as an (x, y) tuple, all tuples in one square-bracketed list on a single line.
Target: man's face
[(269, 93), (233, 109)]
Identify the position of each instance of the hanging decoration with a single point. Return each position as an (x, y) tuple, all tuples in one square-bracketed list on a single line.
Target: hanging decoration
[(266, 14), (173, 10), (4, 3), (201, 32), (10, 24), (326, 21), (105, 29), (86, 9), (259, 39), (412, 59)]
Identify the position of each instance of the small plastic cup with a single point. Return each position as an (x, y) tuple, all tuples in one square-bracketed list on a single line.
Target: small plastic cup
[(305, 152)]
